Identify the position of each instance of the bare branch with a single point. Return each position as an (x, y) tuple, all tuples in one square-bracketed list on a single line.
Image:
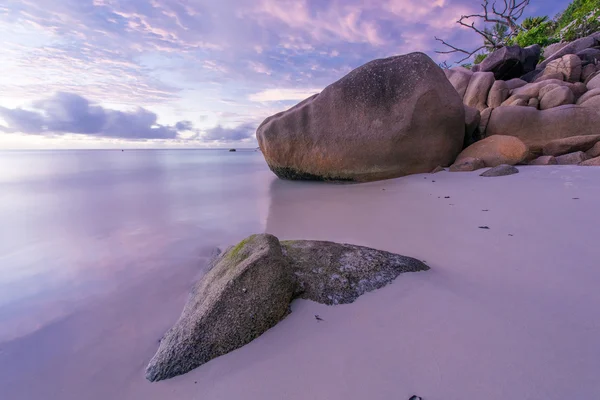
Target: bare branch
[(493, 39)]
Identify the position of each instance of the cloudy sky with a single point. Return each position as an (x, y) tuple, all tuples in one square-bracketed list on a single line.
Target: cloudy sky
[(193, 73)]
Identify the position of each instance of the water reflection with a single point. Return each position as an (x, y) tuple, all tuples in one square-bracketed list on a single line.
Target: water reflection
[(78, 224)]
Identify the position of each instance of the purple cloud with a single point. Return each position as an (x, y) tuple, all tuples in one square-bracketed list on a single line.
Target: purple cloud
[(70, 113)]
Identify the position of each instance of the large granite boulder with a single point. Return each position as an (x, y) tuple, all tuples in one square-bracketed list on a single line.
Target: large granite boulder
[(496, 150), (571, 144), (536, 128), (511, 61), (498, 94), (478, 90), (389, 118), (556, 96), (568, 66), (247, 291), (472, 120), (594, 83), (333, 273), (459, 77), (573, 47), (249, 287)]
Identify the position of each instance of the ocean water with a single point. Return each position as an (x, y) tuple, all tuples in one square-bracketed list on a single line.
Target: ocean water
[(79, 224)]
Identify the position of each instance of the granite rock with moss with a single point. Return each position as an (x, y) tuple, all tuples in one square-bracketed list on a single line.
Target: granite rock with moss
[(333, 273), (246, 292), (250, 286)]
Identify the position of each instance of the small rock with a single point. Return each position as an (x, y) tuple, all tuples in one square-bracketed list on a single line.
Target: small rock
[(572, 158), (592, 162), (544, 160), (500, 170), (447, 197), (415, 398), (318, 318), (484, 227), (438, 169), (594, 151), (467, 164)]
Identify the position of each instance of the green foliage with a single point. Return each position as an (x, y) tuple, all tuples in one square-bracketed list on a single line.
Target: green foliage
[(479, 58), (532, 22), (467, 65), (539, 34), (581, 18), (500, 34)]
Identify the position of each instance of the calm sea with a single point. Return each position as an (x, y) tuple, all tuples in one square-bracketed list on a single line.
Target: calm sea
[(77, 224)]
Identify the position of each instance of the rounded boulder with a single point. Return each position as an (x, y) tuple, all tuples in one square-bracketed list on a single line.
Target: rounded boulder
[(388, 118)]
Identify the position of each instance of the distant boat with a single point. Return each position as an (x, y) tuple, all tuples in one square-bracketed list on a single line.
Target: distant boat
[(232, 150)]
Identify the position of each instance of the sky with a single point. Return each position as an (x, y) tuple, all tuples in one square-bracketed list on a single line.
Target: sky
[(194, 73)]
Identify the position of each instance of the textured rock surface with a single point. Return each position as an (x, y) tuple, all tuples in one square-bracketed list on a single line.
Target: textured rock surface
[(569, 66), (572, 158), (247, 291), (484, 120), (573, 47), (472, 120), (496, 150), (515, 83), (558, 96), (544, 160), (511, 61), (594, 83), (498, 94), (570, 145), (592, 162), (588, 95), (477, 92), (594, 151), (389, 118), (500, 170), (587, 71), (333, 273), (459, 77), (536, 128), (467, 164)]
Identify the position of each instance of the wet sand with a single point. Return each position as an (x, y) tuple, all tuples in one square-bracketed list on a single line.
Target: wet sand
[(505, 312)]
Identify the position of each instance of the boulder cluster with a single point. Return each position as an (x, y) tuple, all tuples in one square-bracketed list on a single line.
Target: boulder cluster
[(404, 115), (249, 289), (549, 115)]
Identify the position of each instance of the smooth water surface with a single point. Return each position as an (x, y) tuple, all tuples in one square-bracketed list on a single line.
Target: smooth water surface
[(77, 224)]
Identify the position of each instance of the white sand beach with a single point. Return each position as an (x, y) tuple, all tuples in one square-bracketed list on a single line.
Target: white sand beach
[(509, 312)]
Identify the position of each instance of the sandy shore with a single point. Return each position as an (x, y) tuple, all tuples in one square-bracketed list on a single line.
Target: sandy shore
[(509, 312)]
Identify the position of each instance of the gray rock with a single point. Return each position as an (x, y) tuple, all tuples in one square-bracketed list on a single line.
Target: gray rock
[(498, 94), (536, 128), (511, 61), (544, 160), (500, 170), (589, 56), (478, 90), (553, 48), (515, 83), (592, 162), (588, 95), (248, 291), (569, 66), (570, 145), (472, 120), (587, 71), (594, 83), (573, 47), (388, 118), (484, 120), (332, 273), (559, 96), (467, 164), (572, 158), (459, 78), (594, 151)]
